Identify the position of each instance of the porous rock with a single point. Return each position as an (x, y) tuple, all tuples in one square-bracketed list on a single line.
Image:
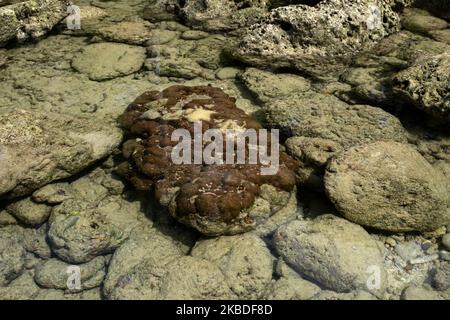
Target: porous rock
[(317, 39), (29, 19), (244, 260), (332, 251), (389, 186), (37, 148)]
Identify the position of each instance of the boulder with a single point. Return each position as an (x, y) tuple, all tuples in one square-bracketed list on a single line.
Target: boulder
[(318, 39), (336, 253), (389, 186), (29, 19), (37, 148), (426, 85)]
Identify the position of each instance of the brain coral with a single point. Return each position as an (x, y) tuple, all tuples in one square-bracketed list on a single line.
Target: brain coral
[(213, 198)]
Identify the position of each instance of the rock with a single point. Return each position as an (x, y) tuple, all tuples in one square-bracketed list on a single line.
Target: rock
[(161, 36), (220, 209), (222, 15), (317, 39), (267, 85), (189, 278), (22, 288), (389, 186), (313, 155), (137, 267), (35, 241), (54, 193), (290, 286), (427, 85), (161, 10), (244, 260), (12, 255), (29, 19), (79, 230), (441, 35), (420, 21), (6, 219), (354, 295), (317, 115), (29, 212), (54, 274), (131, 32), (446, 241), (419, 293), (227, 73), (441, 277), (409, 250), (194, 35), (56, 146), (103, 61), (334, 252)]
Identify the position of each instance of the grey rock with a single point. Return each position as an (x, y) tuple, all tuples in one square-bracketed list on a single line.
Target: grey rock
[(79, 231), (22, 288), (427, 85), (54, 274), (244, 260), (266, 85), (334, 252), (35, 241), (317, 115), (317, 39), (290, 286), (389, 186), (53, 193), (189, 278), (137, 267), (56, 146), (441, 277), (354, 295), (29, 212), (446, 241), (29, 19), (12, 254), (419, 293), (6, 219), (223, 15), (420, 21), (103, 61)]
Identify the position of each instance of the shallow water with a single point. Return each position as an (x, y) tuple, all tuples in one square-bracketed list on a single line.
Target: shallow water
[(66, 207)]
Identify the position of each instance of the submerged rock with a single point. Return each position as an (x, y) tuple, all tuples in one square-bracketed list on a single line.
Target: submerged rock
[(29, 19), (336, 253), (389, 186), (427, 85), (420, 21), (29, 212), (12, 254), (103, 61), (39, 147), (214, 199), (317, 39), (223, 15), (244, 260), (54, 274)]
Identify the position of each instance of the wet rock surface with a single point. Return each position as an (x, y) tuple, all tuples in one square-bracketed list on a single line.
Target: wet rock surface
[(29, 19), (325, 248), (296, 36), (394, 188), (56, 146), (349, 85)]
